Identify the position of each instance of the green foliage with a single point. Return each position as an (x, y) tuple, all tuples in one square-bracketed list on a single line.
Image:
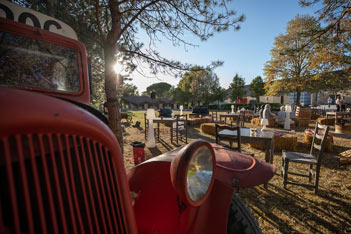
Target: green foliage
[(199, 85), (237, 88), (161, 89), (219, 94), (257, 87), (127, 89), (178, 96)]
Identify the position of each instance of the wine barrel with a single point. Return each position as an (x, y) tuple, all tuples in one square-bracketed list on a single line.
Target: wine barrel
[(303, 112)]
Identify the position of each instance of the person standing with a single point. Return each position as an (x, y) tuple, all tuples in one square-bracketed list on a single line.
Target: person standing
[(330, 100), (342, 104), (337, 102)]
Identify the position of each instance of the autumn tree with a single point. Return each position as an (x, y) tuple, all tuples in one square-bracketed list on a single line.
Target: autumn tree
[(290, 68), (333, 56), (237, 88), (110, 28), (161, 89), (257, 88)]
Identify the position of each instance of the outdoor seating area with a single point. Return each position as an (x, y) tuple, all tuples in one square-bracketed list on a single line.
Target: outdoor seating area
[(270, 148), (175, 117)]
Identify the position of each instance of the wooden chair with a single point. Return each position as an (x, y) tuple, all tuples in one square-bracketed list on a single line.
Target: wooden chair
[(126, 116), (179, 128), (215, 118), (146, 121), (313, 159), (238, 121), (232, 134)]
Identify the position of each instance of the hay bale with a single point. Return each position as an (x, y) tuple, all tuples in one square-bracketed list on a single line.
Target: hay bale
[(325, 121), (286, 142), (193, 121), (256, 122), (345, 157), (209, 128), (315, 116), (302, 122), (308, 137), (346, 128), (282, 141), (271, 123)]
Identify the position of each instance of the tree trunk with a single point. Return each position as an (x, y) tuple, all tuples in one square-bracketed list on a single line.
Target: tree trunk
[(257, 99), (111, 93), (298, 94)]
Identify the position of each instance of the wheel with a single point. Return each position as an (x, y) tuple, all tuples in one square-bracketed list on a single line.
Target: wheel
[(240, 218)]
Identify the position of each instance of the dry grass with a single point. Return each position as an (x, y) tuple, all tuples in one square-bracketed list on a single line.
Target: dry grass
[(294, 210)]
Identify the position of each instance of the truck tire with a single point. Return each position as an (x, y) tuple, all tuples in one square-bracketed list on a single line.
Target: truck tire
[(240, 218)]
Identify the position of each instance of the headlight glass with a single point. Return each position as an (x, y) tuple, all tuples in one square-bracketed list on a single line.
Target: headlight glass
[(200, 172)]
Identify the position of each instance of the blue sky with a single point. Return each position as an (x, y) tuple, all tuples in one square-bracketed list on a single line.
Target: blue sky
[(244, 52)]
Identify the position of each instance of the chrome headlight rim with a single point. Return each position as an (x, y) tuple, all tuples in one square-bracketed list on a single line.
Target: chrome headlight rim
[(180, 168)]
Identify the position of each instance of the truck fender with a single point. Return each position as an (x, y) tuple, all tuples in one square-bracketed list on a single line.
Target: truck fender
[(241, 170)]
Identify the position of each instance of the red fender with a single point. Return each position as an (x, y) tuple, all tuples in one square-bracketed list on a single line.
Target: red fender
[(158, 209), (241, 170)]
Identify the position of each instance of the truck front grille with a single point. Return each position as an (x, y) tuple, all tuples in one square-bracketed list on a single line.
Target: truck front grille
[(58, 183)]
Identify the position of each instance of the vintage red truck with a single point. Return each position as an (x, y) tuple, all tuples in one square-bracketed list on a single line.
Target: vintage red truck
[(61, 168)]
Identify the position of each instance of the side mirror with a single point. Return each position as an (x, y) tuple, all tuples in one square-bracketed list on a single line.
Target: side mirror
[(193, 172)]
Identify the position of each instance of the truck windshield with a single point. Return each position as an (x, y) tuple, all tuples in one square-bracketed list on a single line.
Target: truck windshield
[(26, 62)]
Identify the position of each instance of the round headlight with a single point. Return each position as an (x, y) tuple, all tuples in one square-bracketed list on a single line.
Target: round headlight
[(200, 172), (192, 172)]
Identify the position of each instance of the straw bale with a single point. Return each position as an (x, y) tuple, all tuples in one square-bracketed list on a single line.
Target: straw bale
[(346, 128), (315, 116), (285, 142), (193, 121), (209, 128), (281, 142), (326, 121), (302, 122), (308, 137), (256, 122), (345, 157), (272, 123)]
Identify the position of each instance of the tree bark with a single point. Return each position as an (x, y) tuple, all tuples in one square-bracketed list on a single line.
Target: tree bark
[(298, 94), (111, 91)]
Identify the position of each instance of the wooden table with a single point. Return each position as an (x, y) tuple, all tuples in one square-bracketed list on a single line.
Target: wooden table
[(250, 139), (340, 116), (225, 116), (168, 121)]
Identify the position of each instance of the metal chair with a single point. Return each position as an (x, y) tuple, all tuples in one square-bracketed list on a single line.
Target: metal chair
[(313, 159), (231, 134), (146, 127)]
